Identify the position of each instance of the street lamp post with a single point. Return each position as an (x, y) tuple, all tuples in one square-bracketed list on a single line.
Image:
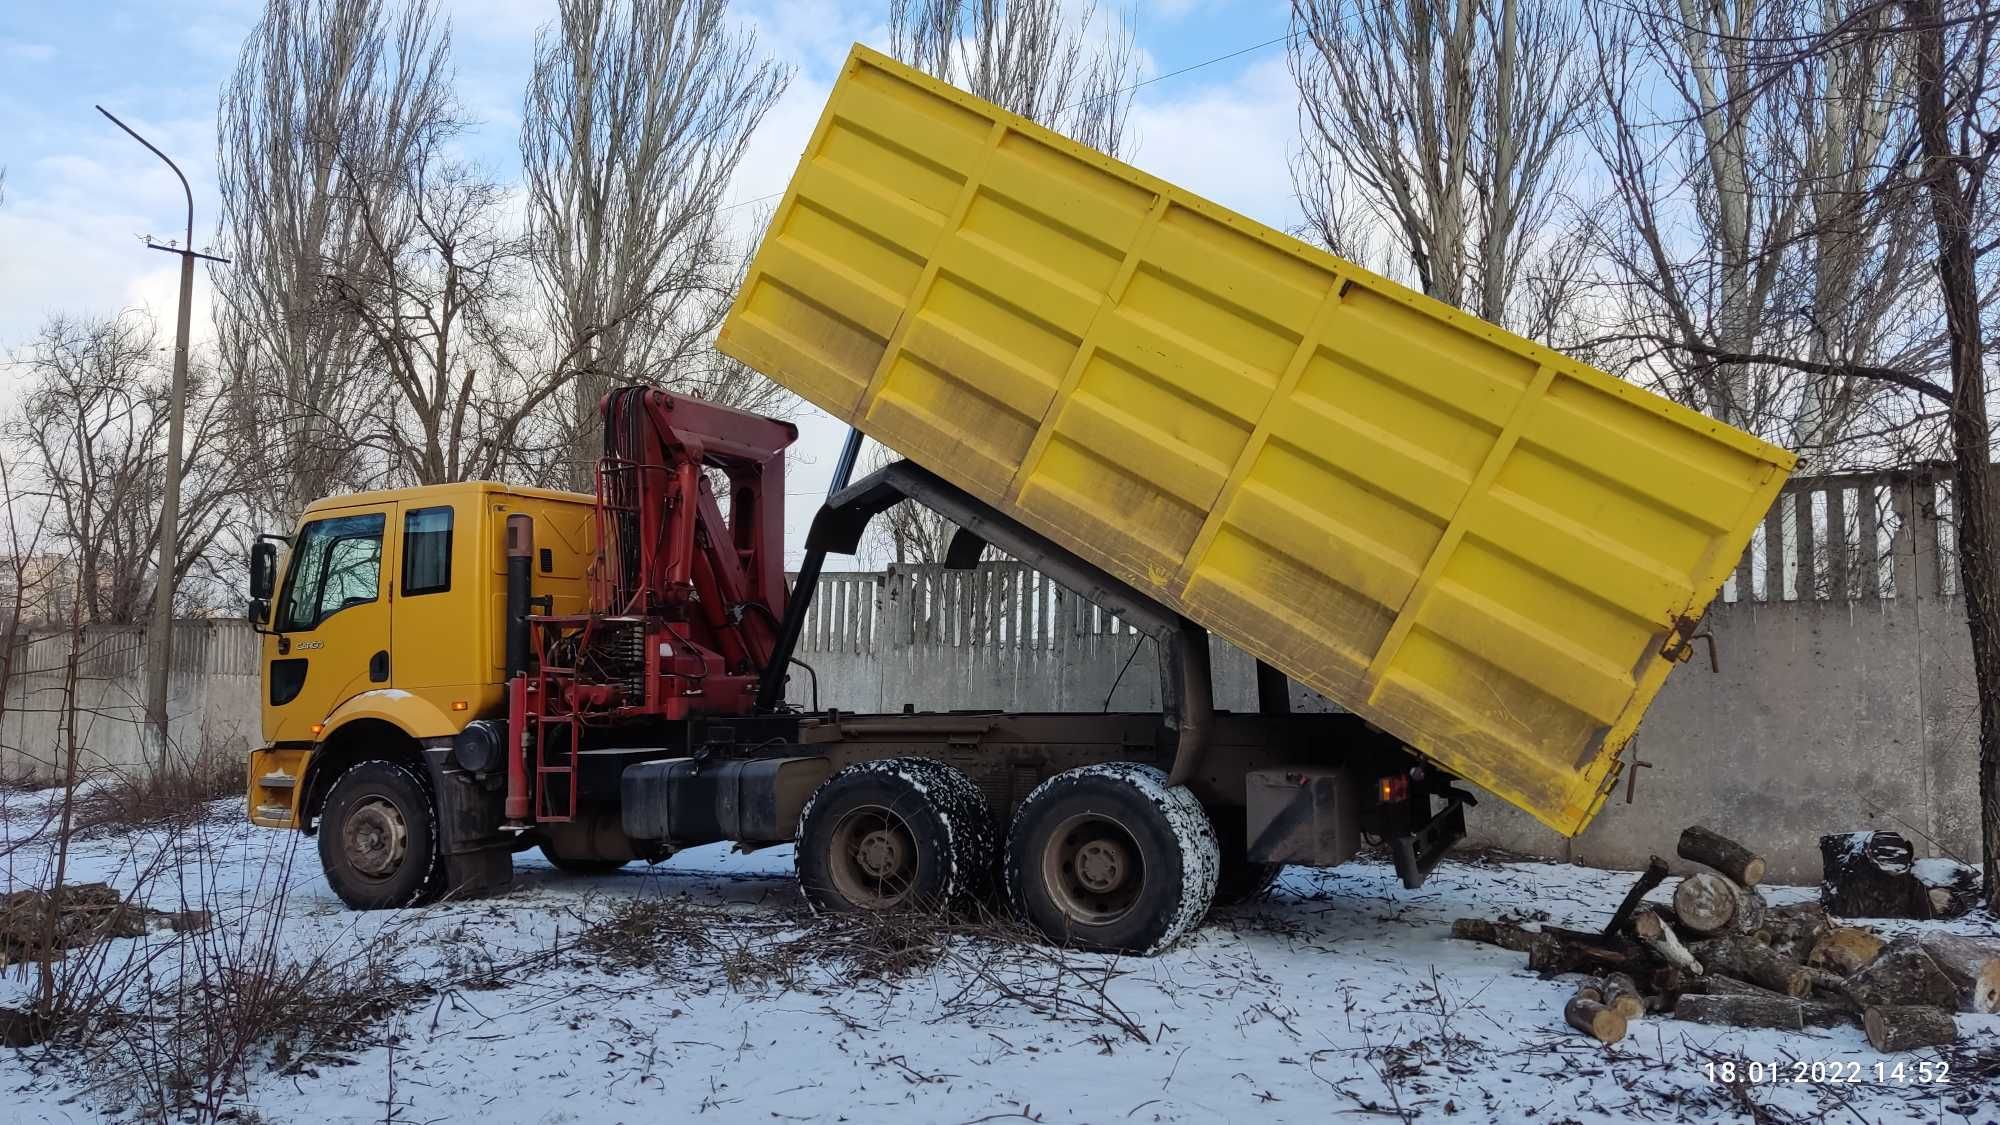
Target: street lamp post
[(160, 644)]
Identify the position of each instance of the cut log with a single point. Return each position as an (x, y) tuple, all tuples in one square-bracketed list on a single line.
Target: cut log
[(1710, 904), (1827, 984), (1867, 875), (1719, 984), (1904, 973), (1551, 949), (1621, 994), (1792, 930), (1594, 1019), (1755, 962), (1506, 935), (1713, 849), (1590, 990), (1844, 949), (1946, 888), (1661, 939), (1652, 876), (1667, 979), (1733, 1010), (1902, 1028), (1973, 964)]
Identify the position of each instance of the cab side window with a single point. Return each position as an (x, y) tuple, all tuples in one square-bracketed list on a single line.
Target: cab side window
[(426, 551), (338, 563)]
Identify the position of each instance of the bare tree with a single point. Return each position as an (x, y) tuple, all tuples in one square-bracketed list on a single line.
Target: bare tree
[(636, 118), (1742, 224), (435, 290), (1450, 124), (1029, 56), (324, 90), (1934, 70), (89, 426)]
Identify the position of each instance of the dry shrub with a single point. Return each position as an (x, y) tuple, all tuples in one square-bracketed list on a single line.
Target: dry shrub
[(996, 960), (175, 794)]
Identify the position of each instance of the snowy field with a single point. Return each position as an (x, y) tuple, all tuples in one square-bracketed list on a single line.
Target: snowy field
[(1338, 998)]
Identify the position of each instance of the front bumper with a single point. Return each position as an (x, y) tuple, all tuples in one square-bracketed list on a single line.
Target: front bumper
[(275, 785)]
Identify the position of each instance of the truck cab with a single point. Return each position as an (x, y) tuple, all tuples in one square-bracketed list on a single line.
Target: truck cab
[(383, 632)]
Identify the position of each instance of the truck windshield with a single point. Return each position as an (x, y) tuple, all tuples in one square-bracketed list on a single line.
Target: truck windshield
[(338, 563)]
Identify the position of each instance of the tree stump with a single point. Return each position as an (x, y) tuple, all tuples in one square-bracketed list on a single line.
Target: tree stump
[(1867, 875), (1902, 974), (1752, 961), (1708, 903), (1903, 1027), (1594, 1019), (1713, 849)]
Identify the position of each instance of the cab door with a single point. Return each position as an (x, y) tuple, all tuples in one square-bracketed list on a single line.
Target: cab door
[(330, 636)]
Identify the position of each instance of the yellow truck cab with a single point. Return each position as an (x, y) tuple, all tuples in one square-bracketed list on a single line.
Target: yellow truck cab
[(383, 638)]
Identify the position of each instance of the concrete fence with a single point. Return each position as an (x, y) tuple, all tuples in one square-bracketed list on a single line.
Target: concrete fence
[(211, 697), (1844, 697)]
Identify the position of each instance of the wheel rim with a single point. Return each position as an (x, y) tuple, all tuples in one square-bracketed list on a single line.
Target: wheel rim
[(375, 837), (873, 860), (1093, 869)]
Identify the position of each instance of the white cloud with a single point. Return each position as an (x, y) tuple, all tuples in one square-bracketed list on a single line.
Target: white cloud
[(22, 51), (1225, 140)]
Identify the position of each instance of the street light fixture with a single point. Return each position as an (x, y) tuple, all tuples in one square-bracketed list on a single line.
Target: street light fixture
[(159, 647)]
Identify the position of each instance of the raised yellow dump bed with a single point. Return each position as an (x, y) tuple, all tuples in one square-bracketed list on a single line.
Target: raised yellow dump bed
[(1486, 548)]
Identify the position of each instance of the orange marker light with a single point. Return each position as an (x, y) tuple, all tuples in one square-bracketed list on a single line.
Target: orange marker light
[(459, 704), (318, 727), (1394, 787)]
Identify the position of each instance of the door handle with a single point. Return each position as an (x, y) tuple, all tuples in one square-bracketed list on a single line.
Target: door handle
[(378, 667)]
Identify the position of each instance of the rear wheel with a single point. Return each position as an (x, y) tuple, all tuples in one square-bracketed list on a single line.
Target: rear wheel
[(378, 838), (894, 834), (1108, 857), (1238, 880)]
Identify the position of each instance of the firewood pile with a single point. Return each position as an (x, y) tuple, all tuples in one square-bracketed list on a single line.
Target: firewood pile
[(1721, 954)]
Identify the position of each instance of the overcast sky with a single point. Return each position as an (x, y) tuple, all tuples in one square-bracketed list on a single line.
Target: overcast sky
[(80, 195)]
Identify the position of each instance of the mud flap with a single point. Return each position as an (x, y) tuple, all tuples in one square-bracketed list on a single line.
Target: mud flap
[(478, 857), (1417, 853)]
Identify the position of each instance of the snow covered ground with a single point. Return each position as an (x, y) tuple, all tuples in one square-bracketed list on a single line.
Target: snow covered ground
[(1340, 997)]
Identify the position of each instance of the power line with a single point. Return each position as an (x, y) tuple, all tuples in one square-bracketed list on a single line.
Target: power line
[(1240, 51)]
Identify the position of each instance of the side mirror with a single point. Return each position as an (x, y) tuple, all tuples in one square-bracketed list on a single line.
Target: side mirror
[(260, 611), (263, 571)]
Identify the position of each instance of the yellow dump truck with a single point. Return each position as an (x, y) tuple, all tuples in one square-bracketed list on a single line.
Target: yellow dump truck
[(1489, 554), (1485, 548)]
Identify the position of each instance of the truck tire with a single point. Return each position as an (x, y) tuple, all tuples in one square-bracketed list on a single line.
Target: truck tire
[(378, 838), (1107, 857), (1240, 881), (1237, 880), (894, 834)]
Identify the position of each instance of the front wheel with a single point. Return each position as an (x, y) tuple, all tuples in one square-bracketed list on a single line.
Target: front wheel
[(1110, 858), (378, 838)]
